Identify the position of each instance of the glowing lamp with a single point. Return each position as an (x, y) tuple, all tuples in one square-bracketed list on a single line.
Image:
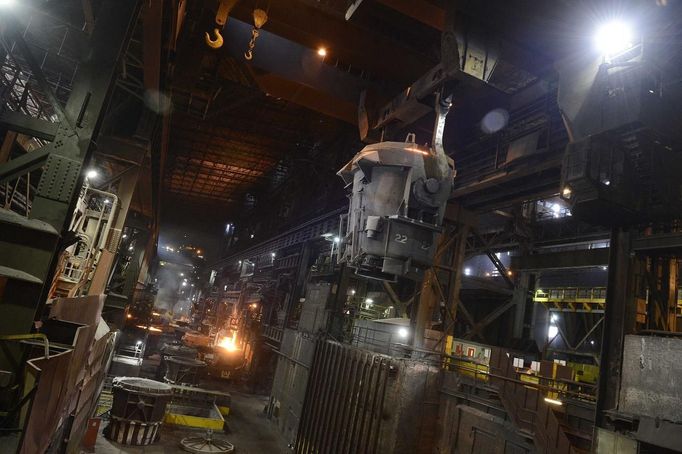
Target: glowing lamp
[(613, 38)]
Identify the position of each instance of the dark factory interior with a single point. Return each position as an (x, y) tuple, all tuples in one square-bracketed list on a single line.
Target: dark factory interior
[(340, 226)]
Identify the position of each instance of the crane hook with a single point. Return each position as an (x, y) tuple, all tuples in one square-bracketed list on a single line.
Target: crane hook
[(216, 43)]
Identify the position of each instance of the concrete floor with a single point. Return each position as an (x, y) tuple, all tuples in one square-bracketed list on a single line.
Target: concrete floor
[(248, 430)]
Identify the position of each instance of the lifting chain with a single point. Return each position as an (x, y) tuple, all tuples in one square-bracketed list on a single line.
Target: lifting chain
[(254, 35), (260, 17)]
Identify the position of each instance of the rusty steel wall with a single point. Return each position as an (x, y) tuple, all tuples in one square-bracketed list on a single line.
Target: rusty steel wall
[(290, 381), (358, 401), (474, 422)]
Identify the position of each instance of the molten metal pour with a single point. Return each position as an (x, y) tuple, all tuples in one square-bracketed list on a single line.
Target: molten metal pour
[(229, 343)]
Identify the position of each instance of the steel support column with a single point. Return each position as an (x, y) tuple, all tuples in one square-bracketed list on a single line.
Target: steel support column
[(447, 263), (299, 285), (522, 300), (74, 141), (7, 145), (662, 280), (619, 319), (337, 302)]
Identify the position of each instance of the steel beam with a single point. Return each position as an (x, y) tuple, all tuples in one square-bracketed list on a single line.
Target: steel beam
[(495, 261), (582, 258), (118, 149), (348, 41), (662, 242), (504, 176), (153, 45), (589, 333), (399, 305), (293, 62), (23, 124), (486, 283), (23, 164), (488, 319)]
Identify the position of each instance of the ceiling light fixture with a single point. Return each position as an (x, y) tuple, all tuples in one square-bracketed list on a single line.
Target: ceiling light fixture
[(322, 51), (613, 38)]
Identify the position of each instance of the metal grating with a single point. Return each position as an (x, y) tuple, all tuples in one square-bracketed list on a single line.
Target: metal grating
[(344, 404), (223, 157)]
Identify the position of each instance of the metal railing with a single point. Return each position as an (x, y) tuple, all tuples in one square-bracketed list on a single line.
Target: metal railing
[(535, 413), (572, 298), (274, 333), (580, 298)]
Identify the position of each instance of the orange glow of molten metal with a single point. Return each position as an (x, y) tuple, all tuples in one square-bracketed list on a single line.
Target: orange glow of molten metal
[(153, 329), (417, 150), (229, 343)]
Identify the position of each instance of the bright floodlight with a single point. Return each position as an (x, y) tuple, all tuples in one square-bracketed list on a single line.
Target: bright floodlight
[(613, 38), (552, 332), (403, 332), (92, 173), (4, 3)]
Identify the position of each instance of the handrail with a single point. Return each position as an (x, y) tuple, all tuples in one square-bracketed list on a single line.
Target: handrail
[(33, 336), (390, 346), (537, 386)]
